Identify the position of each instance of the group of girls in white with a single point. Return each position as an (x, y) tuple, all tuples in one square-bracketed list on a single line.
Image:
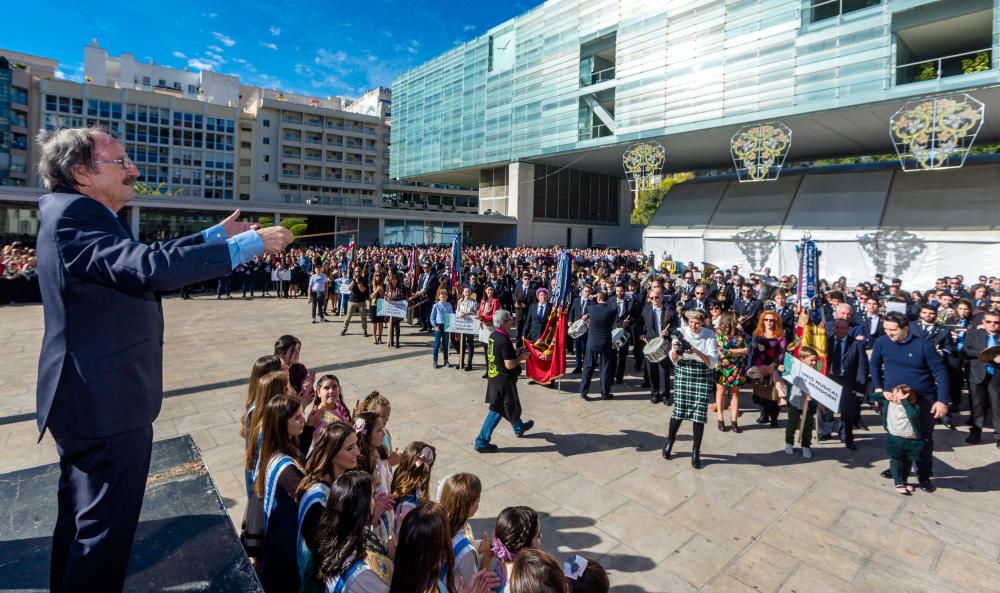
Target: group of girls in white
[(332, 507)]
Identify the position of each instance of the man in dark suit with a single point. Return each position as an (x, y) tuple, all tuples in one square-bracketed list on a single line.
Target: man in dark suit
[(984, 378), (747, 309), (601, 318), (658, 320), (699, 299), (100, 375), (848, 368), (626, 314), (576, 312), (786, 314), (427, 285), (538, 314), (524, 296), (871, 323)]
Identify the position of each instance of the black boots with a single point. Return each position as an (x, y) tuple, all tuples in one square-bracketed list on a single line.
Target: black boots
[(696, 459), (668, 448)]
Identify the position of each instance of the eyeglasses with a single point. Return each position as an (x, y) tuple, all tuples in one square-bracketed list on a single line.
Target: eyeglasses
[(991, 322), (124, 162)]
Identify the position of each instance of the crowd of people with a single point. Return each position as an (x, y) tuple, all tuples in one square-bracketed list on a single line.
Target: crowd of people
[(696, 337), (334, 506), (18, 274)]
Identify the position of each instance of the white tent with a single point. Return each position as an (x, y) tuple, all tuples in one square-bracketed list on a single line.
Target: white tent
[(913, 226)]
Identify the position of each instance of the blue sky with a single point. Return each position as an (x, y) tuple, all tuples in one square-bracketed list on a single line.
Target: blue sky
[(311, 47)]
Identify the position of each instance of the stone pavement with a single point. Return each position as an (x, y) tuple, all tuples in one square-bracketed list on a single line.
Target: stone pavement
[(753, 520)]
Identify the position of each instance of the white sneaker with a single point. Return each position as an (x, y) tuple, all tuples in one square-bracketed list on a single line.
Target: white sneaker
[(789, 450), (807, 452)]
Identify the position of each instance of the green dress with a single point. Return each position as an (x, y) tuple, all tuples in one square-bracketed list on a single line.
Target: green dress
[(730, 369)]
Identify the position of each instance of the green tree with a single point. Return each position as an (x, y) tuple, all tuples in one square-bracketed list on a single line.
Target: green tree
[(650, 200), (298, 229)]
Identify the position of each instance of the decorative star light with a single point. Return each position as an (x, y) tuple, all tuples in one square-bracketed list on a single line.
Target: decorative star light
[(936, 133), (759, 151)]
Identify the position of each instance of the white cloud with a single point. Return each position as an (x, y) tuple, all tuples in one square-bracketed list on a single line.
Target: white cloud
[(468, 28), (303, 70), (414, 46), (179, 55), (325, 57), (60, 75), (223, 39), (216, 49), (198, 64), (246, 65), (269, 45), (275, 31), (210, 15)]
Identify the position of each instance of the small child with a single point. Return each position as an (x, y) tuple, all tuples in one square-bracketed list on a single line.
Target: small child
[(459, 495), (901, 419), (439, 316), (585, 576), (378, 403), (809, 357), (411, 482)]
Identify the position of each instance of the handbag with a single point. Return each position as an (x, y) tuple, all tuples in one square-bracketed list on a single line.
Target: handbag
[(252, 528), (763, 389)]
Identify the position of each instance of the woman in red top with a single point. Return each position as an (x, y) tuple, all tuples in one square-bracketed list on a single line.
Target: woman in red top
[(487, 307), (394, 292)]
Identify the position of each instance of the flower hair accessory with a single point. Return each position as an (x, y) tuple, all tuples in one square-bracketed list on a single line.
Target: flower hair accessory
[(359, 426), (427, 454), (500, 550), (574, 567)]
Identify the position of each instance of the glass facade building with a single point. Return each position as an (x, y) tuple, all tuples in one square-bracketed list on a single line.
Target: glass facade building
[(574, 75)]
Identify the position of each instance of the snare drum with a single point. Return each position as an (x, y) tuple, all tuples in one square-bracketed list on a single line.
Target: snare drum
[(619, 338), (578, 329), (656, 350)]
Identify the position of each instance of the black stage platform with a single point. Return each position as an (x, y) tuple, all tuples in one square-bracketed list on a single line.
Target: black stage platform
[(185, 540)]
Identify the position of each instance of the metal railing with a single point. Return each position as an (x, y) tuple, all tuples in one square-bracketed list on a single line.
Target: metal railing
[(599, 76), (943, 67), (597, 131)]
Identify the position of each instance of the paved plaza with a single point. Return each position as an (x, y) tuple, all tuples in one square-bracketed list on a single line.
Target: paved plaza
[(753, 520)]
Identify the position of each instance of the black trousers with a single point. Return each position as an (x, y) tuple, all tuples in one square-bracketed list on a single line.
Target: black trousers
[(850, 413), (986, 395), (592, 359), (621, 358), (659, 377), (101, 487)]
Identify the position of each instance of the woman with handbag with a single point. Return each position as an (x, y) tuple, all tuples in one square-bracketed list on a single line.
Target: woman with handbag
[(767, 355)]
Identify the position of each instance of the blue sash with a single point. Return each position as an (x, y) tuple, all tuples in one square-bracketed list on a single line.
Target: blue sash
[(412, 499), (461, 546), (277, 465), (316, 494), (343, 582)]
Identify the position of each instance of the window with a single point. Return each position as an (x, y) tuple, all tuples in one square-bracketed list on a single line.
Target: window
[(266, 140), (192, 89), (267, 158), (267, 123), (821, 10), (161, 83)]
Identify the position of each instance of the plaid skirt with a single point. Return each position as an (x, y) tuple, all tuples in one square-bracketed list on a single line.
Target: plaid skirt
[(694, 384)]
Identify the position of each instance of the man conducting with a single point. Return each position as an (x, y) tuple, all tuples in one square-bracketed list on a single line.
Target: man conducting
[(100, 373), (503, 365)]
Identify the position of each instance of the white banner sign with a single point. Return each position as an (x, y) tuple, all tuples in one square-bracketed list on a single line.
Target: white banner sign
[(343, 285), (812, 383), (462, 325), (384, 308), (484, 335)]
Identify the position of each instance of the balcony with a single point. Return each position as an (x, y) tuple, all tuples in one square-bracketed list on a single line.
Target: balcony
[(286, 173), (315, 123), (314, 141), (598, 77), (969, 62), (291, 120), (291, 138), (291, 155), (313, 157)]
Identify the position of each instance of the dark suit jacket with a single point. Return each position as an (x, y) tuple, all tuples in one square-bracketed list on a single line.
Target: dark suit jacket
[(939, 337), (533, 326), (602, 320), (668, 319), (854, 374), (100, 371), (576, 309), (976, 340), (866, 330)]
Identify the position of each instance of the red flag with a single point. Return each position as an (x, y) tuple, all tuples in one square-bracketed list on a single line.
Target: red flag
[(548, 365)]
